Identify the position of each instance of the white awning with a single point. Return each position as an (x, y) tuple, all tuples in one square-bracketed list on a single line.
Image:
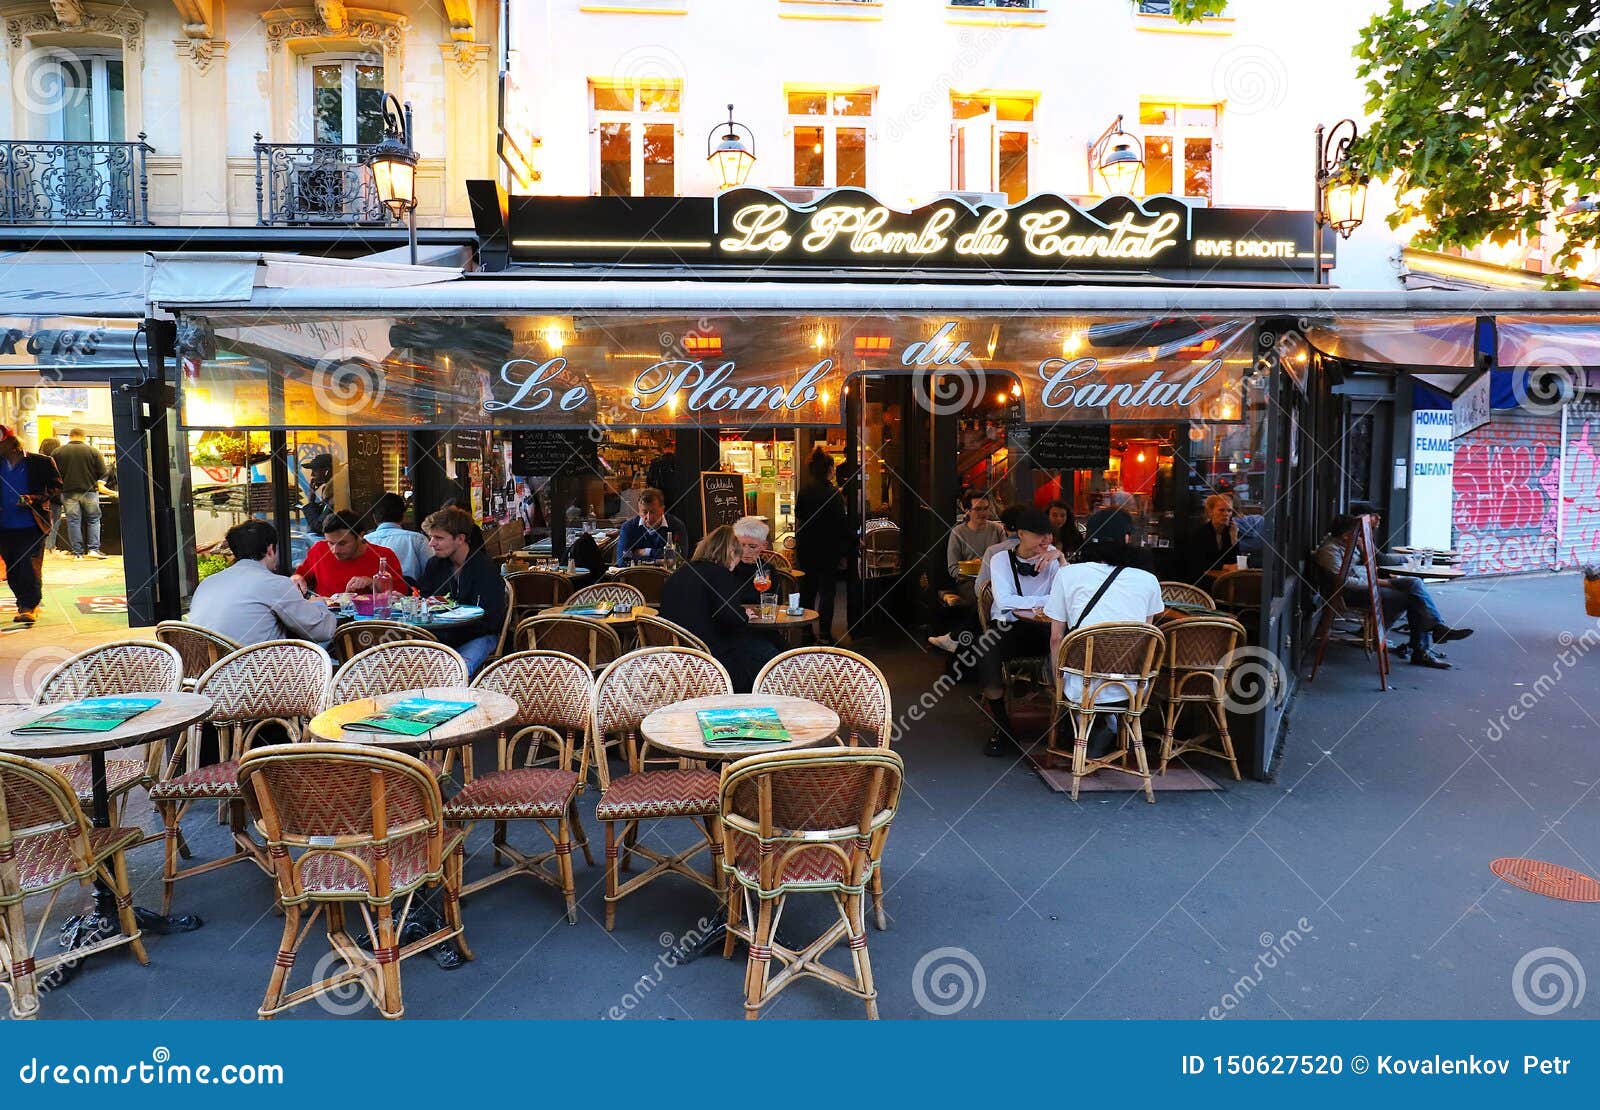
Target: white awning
[(66, 283), (206, 278)]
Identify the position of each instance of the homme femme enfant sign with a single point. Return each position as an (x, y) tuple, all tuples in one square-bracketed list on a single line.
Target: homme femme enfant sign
[(851, 227)]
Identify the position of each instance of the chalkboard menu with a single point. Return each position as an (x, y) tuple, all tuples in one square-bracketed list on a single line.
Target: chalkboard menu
[(721, 497), (365, 470), (466, 445), (1071, 447), (544, 454)]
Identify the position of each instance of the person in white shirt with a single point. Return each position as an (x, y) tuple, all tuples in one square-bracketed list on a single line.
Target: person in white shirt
[(1105, 586), (411, 547), (250, 602), (1021, 581)]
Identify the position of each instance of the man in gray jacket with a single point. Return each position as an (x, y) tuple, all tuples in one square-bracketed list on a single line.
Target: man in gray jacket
[(250, 602)]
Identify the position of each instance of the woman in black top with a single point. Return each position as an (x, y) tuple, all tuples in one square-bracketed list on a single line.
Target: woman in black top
[(822, 536), (462, 572), (703, 598)]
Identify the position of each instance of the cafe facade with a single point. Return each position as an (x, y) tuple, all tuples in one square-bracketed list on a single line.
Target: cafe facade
[(1033, 351)]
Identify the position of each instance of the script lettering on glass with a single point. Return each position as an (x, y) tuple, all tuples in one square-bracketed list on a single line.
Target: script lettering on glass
[(1078, 383)]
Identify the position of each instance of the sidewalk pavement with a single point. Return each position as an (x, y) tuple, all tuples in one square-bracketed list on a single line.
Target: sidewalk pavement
[(1355, 885)]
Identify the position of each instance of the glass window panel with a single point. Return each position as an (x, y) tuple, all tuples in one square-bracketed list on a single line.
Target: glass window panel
[(808, 156), (808, 104), (327, 104), (115, 128), (616, 160), (77, 99), (1016, 108), (1197, 115), (965, 107), (852, 104), (851, 157), (1197, 167), (657, 97), (659, 180), (1157, 165), (608, 98), (1014, 165), (1157, 115), (369, 104)]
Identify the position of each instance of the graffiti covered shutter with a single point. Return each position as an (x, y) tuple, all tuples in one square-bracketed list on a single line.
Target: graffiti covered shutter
[(1506, 485), (1580, 486)]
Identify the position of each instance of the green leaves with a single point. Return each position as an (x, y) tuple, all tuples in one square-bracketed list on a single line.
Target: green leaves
[(1190, 11)]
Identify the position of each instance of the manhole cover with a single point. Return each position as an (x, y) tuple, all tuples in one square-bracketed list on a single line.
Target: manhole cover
[(1550, 879)]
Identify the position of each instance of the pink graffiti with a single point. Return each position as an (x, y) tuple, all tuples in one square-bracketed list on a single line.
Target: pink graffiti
[(1499, 488)]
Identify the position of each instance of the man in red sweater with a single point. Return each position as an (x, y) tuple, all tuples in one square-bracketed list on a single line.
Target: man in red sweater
[(343, 561)]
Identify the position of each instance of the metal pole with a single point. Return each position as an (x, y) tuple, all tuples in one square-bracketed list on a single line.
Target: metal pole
[(1316, 204), (411, 230)]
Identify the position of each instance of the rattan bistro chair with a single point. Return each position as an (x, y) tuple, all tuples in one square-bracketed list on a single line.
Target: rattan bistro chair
[(660, 632), (1184, 594), (352, 825), (1017, 673), (534, 590), (627, 692), (805, 822), (1195, 672), (606, 593), (278, 683), (46, 844), (553, 693), (1105, 670), (646, 579), (1239, 593), (199, 647), (116, 669), (593, 641), (351, 638)]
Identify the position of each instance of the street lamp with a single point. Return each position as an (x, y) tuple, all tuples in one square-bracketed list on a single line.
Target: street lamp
[(1116, 155), (1341, 200), (732, 157), (394, 167)]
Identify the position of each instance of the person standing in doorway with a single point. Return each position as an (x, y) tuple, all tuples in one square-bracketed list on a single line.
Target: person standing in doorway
[(82, 470), (48, 447), (822, 536), (29, 483)]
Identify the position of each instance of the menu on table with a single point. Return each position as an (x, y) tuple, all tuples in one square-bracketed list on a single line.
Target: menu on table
[(88, 715), (411, 717), (741, 726)]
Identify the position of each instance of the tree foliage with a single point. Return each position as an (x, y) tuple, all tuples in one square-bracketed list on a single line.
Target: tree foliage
[(1486, 116), (1188, 11)]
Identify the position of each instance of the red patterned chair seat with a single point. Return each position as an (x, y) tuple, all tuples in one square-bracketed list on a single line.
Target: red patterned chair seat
[(802, 866), (522, 793), (665, 793), (219, 780), (328, 875), (46, 859), (121, 774)]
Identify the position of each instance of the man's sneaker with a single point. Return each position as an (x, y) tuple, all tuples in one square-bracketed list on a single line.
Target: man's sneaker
[(945, 643), (94, 553), (26, 616)]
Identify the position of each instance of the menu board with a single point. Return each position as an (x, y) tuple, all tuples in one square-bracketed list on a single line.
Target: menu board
[(1071, 447), (544, 454), (721, 497), (466, 445), (365, 470)]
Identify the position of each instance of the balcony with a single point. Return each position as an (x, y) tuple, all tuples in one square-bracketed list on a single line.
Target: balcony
[(56, 183), (315, 184)]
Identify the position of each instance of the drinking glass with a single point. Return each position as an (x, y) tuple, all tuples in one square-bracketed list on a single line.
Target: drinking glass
[(769, 608), (763, 578)]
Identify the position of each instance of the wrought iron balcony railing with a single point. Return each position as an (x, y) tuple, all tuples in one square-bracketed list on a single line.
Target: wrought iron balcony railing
[(315, 183), (47, 182)]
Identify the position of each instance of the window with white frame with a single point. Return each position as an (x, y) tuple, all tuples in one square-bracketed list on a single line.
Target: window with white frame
[(1180, 142), (636, 138), (85, 90), (343, 96), (833, 133), (989, 141)]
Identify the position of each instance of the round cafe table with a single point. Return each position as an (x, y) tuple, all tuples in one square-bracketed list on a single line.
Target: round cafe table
[(490, 712), (785, 619), (171, 714), (609, 618), (675, 730)]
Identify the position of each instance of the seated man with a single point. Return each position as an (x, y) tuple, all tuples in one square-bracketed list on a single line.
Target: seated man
[(410, 547), (1398, 594), (1020, 578), (343, 560), (644, 538), (462, 571), (250, 602), (1105, 586)]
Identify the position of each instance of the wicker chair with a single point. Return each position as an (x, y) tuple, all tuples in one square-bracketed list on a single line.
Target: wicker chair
[(627, 692), (553, 693), (777, 560), (533, 590), (647, 580), (351, 638), (1195, 672), (593, 641), (1239, 593), (112, 670), (811, 822), (1185, 594), (660, 632), (277, 683), (1116, 659), (199, 647), (348, 824), (1017, 672), (851, 686), (606, 593), (880, 549), (46, 844)]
